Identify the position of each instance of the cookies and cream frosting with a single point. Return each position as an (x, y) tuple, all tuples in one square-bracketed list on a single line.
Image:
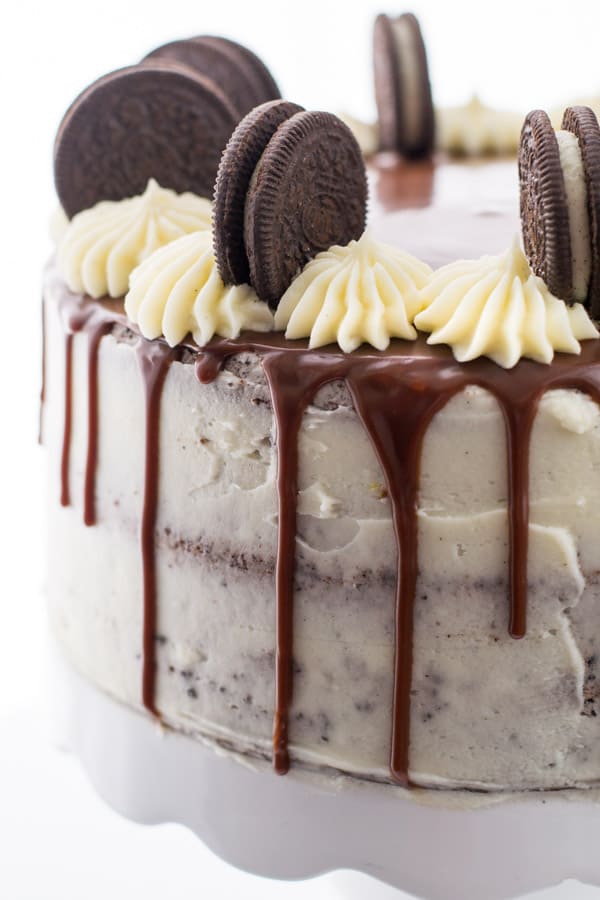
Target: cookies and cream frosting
[(496, 307), (102, 245), (364, 292), (178, 290)]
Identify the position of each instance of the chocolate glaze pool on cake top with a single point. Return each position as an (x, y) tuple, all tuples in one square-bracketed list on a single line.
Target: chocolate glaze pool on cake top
[(396, 394)]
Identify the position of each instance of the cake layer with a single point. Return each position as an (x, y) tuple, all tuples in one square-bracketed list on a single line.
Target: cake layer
[(486, 711)]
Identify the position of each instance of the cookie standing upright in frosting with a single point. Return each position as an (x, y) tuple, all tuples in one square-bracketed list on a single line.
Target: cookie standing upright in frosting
[(293, 183), (402, 88), (560, 203), (236, 168), (158, 120)]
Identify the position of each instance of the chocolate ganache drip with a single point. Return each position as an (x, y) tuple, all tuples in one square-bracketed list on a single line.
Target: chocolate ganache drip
[(154, 360), (79, 314), (96, 319), (396, 393)]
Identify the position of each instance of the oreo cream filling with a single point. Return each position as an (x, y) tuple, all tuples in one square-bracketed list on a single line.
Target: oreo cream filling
[(571, 163)]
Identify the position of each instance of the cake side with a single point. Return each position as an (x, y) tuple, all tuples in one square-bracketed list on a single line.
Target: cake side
[(531, 725)]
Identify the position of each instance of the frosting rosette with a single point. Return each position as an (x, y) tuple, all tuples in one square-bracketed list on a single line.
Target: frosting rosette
[(364, 292), (102, 245), (496, 307), (178, 290), (476, 129)]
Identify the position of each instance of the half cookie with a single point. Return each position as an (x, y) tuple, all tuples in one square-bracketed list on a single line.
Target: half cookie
[(402, 88), (291, 183), (559, 175), (158, 120)]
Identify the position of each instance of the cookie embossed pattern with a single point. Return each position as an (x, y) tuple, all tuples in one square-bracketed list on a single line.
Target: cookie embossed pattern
[(273, 545), (140, 123)]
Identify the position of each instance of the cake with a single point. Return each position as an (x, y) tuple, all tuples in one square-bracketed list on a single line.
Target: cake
[(311, 533)]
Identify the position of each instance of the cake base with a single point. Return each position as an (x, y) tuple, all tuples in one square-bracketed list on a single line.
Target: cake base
[(304, 825)]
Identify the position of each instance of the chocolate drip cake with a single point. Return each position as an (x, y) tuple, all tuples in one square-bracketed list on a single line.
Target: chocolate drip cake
[(299, 528), (255, 475)]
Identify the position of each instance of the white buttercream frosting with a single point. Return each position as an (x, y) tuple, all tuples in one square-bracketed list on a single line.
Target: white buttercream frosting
[(57, 225), (571, 163), (178, 290), (102, 245), (364, 292), (475, 129), (495, 306)]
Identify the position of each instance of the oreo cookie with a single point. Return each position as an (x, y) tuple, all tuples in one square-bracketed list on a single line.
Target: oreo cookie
[(269, 89), (543, 205), (307, 193), (160, 121), (559, 174), (239, 159), (582, 122), (291, 183), (402, 87), (238, 72)]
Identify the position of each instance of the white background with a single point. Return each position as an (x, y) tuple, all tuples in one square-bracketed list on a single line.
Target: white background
[(56, 839)]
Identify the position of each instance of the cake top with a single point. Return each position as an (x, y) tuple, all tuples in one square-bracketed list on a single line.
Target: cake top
[(289, 213)]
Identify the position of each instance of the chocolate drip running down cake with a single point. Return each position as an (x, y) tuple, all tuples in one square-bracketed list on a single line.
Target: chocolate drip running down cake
[(390, 554)]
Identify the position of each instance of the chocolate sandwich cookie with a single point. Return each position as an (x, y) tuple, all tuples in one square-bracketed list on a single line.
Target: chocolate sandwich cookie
[(582, 122), (238, 162), (307, 193), (559, 175), (237, 71), (269, 89), (158, 120), (543, 204), (402, 87)]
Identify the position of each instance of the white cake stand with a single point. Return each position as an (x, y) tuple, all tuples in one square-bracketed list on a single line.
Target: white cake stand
[(300, 826)]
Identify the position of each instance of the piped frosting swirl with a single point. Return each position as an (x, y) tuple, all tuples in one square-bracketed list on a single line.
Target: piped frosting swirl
[(102, 245), (178, 290), (496, 307), (476, 129), (364, 292)]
